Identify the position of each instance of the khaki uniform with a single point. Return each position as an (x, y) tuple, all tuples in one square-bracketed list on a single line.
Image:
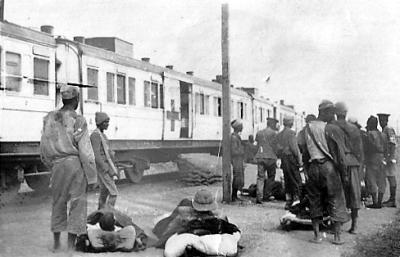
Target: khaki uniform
[(390, 148), (237, 158), (353, 150), (66, 148), (374, 156), (104, 171), (266, 158), (326, 166), (289, 153)]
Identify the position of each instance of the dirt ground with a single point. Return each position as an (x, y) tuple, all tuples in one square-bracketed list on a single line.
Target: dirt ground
[(24, 222)]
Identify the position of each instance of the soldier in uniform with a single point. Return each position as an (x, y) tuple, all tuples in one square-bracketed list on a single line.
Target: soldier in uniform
[(353, 160), (324, 144), (374, 159), (65, 148), (266, 157), (106, 169), (289, 153), (237, 158), (390, 158)]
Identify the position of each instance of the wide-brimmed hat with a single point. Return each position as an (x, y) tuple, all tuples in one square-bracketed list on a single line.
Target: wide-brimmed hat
[(204, 200)]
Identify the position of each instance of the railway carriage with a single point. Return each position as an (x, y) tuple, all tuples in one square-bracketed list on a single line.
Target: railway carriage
[(156, 112)]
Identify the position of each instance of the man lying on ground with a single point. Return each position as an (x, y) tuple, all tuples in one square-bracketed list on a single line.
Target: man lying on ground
[(109, 230), (194, 228)]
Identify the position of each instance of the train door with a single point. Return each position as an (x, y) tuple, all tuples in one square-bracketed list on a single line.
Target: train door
[(185, 92)]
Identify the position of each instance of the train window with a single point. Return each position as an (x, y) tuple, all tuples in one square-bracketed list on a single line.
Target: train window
[(269, 113), (13, 72), (202, 104), (207, 104), (92, 80), (121, 89), (41, 76), (261, 115), (219, 106), (146, 94), (154, 95), (161, 96), (110, 87), (197, 103), (132, 91)]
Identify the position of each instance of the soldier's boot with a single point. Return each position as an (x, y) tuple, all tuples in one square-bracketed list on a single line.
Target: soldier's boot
[(336, 235), (234, 194), (354, 216), (317, 235), (376, 203), (392, 199)]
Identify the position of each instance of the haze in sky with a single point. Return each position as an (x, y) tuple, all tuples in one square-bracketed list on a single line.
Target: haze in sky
[(311, 50)]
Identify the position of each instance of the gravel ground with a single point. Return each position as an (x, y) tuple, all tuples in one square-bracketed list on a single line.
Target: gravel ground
[(24, 222)]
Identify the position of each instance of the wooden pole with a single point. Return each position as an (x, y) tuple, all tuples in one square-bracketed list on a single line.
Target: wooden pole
[(226, 101)]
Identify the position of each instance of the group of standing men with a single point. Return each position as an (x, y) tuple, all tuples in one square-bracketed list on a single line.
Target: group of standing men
[(77, 161), (332, 152)]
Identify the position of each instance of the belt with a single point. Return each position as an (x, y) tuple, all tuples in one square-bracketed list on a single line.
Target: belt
[(319, 161)]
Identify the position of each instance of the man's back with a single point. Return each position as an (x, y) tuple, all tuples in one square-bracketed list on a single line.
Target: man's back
[(266, 141)]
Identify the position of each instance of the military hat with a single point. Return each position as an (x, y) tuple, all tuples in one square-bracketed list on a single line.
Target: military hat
[(204, 200), (288, 120), (236, 123), (383, 115), (325, 104), (310, 117), (69, 92), (272, 120), (340, 108), (100, 117)]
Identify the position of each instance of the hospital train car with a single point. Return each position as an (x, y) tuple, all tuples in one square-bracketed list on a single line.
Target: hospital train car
[(156, 112)]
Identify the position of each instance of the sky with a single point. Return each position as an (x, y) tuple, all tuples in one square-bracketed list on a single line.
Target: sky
[(311, 50)]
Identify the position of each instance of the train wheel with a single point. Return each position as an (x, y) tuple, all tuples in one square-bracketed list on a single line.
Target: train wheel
[(134, 174), (38, 182), (9, 187)]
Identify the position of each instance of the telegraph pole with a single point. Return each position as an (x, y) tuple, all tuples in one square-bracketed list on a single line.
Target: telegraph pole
[(226, 101)]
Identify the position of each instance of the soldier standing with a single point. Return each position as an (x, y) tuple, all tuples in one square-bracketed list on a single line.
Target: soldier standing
[(266, 157), (106, 169), (65, 148), (289, 153), (237, 158), (324, 144), (374, 158), (353, 159), (390, 159)]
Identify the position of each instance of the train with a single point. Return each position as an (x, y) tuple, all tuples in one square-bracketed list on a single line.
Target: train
[(155, 112)]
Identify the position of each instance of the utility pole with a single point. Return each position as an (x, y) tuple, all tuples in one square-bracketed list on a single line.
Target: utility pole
[(2, 10), (226, 101)]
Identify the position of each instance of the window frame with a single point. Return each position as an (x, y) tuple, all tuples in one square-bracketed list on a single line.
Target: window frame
[(131, 88), (123, 91), (12, 75), (92, 89), (113, 87)]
